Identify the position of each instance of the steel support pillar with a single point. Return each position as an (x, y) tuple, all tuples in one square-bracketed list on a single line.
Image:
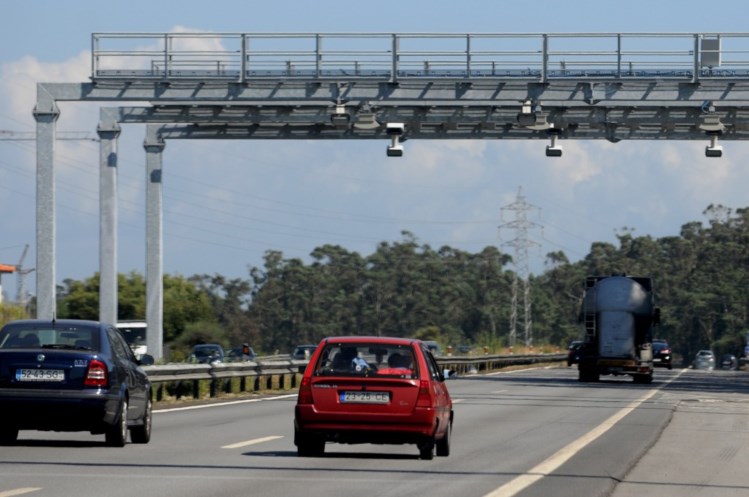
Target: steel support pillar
[(154, 147), (108, 131), (46, 113)]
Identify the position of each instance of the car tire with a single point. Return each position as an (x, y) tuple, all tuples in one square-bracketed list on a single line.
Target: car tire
[(8, 435), (426, 450), (141, 434), (310, 445), (116, 435), (443, 444)]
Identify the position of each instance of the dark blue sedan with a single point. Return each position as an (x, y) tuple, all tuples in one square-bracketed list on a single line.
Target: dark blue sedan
[(72, 375)]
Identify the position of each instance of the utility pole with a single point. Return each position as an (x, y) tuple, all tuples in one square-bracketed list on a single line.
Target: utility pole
[(520, 224)]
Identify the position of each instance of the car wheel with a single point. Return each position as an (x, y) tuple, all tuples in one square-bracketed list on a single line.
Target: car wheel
[(8, 435), (116, 435), (426, 450), (141, 434), (309, 445), (443, 445)]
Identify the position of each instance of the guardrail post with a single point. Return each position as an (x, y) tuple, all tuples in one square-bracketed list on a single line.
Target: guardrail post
[(618, 56), (696, 69), (243, 63), (544, 58), (394, 67), (318, 56), (468, 55)]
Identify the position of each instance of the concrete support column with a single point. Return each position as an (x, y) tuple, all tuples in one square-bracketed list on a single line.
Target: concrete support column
[(108, 131), (45, 114), (154, 146)]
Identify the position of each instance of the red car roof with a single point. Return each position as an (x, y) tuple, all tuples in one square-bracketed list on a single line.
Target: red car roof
[(370, 339)]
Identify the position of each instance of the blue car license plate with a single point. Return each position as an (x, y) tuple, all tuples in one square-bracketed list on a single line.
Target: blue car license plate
[(40, 375)]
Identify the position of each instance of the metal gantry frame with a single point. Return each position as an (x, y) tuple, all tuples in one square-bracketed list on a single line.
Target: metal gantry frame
[(390, 87)]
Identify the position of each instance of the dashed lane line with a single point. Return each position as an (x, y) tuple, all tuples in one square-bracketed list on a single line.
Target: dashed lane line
[(221, 404), (19, 491), (250, 442)]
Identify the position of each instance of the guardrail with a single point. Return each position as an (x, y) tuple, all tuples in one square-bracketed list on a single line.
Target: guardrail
[(198, 381)]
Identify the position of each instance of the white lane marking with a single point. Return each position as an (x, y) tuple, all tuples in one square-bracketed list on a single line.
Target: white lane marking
[(252, 442), (497, 373), (520, 483), (19, 491), (221, 404), (500, 391)]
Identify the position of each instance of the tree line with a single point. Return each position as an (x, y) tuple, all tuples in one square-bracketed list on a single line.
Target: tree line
[(410, 289)]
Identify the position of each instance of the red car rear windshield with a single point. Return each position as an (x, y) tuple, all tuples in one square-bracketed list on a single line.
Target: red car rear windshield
[(367, 359)]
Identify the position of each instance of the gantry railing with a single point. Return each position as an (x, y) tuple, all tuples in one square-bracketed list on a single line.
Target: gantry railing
[(393, 57)]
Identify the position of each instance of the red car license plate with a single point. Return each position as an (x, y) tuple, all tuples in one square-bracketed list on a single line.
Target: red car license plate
[(364, 397)]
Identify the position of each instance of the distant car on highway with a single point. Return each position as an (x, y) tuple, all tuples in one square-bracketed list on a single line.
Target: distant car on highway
[(373, 390), (662, 355), (433, 347), (72, 375), (728, 361), (303, 352), (207, 353), (239, 354), (573, 352), (704, 359)]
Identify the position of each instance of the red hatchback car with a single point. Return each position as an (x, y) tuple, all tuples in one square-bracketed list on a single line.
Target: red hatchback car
[(373, 390)]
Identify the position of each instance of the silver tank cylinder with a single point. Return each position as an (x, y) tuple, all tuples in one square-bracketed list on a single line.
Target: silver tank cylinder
[(619, 293)]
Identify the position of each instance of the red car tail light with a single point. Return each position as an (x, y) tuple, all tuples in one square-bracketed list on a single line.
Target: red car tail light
[(305, 391), (425, 395), (96, 375)]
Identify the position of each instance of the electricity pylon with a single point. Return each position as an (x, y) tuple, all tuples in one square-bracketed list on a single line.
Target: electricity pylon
[(520, 224)]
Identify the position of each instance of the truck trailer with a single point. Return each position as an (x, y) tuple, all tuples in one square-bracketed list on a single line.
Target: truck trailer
[(618, 317)]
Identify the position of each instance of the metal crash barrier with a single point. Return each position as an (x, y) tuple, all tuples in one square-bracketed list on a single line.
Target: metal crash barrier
[(173, 382)]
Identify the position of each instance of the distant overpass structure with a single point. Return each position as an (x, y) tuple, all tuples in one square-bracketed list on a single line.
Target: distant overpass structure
[(392, 87)]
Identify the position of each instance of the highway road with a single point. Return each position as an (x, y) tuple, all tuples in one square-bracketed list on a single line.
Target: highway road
[(536, 432)]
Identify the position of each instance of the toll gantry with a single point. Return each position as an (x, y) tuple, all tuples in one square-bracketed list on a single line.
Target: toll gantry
[(389, 86)]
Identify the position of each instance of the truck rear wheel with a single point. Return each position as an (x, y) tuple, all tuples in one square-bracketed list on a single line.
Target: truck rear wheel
[(643, 378), (588, 375)]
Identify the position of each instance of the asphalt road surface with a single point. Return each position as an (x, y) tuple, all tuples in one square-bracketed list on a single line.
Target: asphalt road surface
[(535, 432)]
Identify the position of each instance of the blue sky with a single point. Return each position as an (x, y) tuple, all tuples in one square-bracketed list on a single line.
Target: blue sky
[(228, 202)]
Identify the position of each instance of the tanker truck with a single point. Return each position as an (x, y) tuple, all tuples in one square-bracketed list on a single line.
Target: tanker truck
[(618, 318)]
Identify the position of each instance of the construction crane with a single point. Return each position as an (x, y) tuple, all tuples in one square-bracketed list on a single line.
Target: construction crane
[(21, 273), (20, 277), (5, 269)]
